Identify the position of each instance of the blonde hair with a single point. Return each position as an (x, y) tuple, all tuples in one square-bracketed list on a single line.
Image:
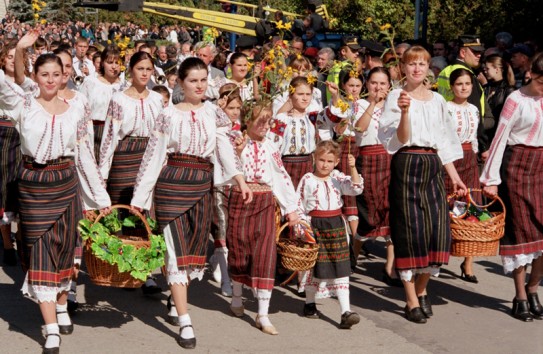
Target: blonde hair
[(231, 92), (300, 63), (328, 147), (300, 81), (414, 53)]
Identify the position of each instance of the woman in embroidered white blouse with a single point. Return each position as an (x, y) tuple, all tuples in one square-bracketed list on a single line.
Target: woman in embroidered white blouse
[(515, 169), (58, 170), (416, 129)]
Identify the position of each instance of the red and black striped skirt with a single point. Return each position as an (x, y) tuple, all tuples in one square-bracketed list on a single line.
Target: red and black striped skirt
[(373, 163), (349, 201), (522, 193), (297, 166), (468, 170), (10, 164), (331, 235), (183, 202), (419, 216), (124, 169), (252, 252), (50, 208)]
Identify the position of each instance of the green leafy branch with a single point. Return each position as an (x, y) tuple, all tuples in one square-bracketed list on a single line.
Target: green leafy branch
[(138, 261)]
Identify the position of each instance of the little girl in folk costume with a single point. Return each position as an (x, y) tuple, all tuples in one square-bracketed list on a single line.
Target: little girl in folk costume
[(319, 199), (251, 228), (341, 117), (293, 132), (230, 101)]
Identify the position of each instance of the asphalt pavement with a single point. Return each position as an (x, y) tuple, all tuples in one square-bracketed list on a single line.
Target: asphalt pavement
[(468, 318)]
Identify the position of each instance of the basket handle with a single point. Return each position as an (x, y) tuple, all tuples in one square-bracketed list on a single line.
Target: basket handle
[(309, 238), (496, 198), (134, 211), (471, 201)]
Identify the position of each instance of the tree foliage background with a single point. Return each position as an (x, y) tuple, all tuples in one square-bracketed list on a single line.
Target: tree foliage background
[(446, 18)]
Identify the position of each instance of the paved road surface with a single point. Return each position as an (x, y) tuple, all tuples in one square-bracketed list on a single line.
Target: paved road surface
[(468, 318)]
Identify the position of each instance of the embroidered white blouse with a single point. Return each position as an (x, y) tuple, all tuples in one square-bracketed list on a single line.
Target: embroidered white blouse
[(521, 123), (466, 120), (127, 116), (431, 126), (325, 194), (261, 163), (99, 95), (293, 135), (203, 132), (47, 137)]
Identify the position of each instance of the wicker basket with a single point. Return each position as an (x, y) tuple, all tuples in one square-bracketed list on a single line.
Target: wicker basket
[(105, 274), (297, 254), (477, 238)]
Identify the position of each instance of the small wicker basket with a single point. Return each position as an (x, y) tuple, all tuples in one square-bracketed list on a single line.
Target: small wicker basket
[(477, 238), (297, 254), (105, 274)]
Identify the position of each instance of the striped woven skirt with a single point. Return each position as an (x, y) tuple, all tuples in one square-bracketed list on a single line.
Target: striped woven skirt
[(10, 164), (373, 163), (252, 252), (419, 217), (98, 126), (333, 260), (183, 206), (50, 208), (124, 169), (522, 193), (468, 170), (297, 166), (349, 202)]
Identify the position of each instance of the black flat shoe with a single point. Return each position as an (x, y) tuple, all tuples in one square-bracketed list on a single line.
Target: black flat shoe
[(535, 306), (66, 329), (470, 278), (150, 290), (55, 350), (425, 306), (391, 281), (348, 319), (415, 315), (186, 343), (310, 311), (521, 310)]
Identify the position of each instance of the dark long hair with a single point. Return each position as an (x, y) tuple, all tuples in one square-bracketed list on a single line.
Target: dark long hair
[(188, 65)]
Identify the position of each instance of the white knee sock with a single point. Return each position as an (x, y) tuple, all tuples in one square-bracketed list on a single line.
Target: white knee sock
[(310, 295), (63, 317), (52, 341), (344, 302), (187, 332), (263, 297), (221, 255), (237, 291), (173, 311)]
